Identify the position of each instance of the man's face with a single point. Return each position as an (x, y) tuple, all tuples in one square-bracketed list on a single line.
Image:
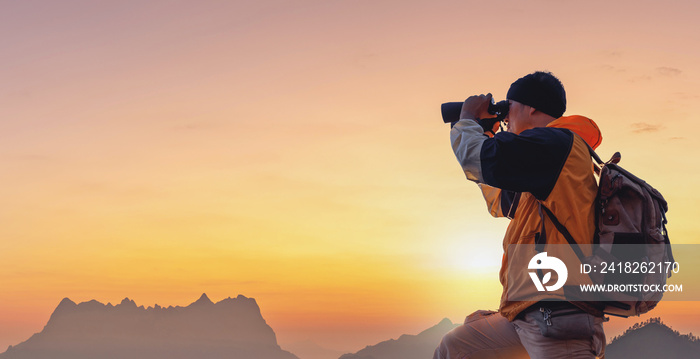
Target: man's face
[(518, 119)]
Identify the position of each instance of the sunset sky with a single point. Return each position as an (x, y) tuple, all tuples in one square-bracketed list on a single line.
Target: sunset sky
[(293, 151)]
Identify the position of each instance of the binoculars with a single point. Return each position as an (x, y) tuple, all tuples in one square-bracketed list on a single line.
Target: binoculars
[(452, 110)]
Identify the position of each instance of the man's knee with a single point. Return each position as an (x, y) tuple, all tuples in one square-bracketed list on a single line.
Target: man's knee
[(448, 347), (484, 334)]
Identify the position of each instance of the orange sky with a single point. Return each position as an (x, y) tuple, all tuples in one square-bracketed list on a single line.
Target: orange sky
[(292, 151)]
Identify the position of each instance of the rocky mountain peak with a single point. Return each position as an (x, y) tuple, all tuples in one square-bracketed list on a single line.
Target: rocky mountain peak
[(231, 328)]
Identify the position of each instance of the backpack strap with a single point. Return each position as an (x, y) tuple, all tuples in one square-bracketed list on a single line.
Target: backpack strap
[(562, 229), (593, 154), (615, 158), (666, 240), (541, 237)]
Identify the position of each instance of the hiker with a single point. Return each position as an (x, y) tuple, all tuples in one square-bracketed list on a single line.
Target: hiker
[(541, 160)]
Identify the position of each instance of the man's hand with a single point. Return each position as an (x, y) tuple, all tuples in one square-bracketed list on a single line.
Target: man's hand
[(476, 107)]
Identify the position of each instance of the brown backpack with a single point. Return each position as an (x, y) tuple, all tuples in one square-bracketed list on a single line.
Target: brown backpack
[(630, 228)]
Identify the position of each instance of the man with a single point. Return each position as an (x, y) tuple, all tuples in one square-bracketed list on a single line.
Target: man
[(542, 161)]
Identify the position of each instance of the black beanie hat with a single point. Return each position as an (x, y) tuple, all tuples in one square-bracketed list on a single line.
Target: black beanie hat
[(540, 90)]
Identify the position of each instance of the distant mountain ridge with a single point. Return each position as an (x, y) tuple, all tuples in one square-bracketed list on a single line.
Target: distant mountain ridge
[(653, 339), (647, 340), (407, 346), (231, 328)]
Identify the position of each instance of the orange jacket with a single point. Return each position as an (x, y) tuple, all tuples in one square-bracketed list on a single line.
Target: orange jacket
[(564, 182)]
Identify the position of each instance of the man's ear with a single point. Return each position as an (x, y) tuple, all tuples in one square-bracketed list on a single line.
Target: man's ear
[(531, 111)]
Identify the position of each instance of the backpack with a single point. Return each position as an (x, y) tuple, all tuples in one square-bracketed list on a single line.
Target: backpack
[(628, 211)]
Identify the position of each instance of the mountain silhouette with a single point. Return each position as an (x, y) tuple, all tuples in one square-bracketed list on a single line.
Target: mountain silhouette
[(647, 340), (232, 328), (308, 349), (652, 339), (418, 346)]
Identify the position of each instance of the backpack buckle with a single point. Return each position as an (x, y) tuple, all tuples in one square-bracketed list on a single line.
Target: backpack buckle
[(546, 315)]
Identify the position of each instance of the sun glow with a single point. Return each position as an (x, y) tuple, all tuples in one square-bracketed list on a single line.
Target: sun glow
[(481, 253)]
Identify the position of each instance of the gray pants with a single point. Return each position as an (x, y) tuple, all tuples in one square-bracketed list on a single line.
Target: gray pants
[(487, 334)]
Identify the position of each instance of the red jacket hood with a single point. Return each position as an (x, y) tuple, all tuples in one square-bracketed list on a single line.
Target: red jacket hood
[(582, 126)]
